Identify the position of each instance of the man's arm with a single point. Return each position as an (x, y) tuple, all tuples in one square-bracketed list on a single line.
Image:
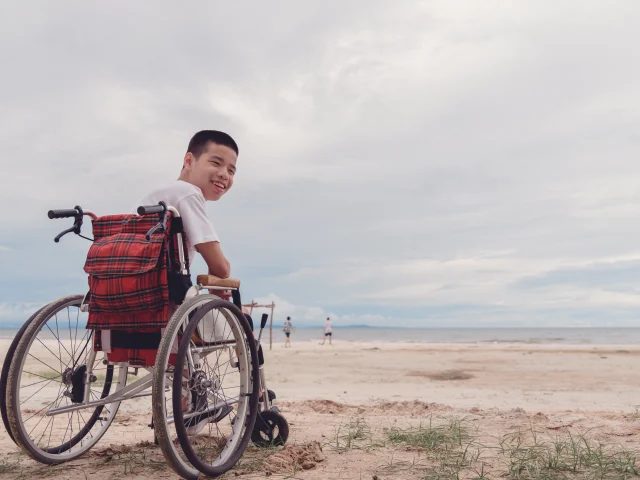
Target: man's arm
[(216, 261), (201, 234)]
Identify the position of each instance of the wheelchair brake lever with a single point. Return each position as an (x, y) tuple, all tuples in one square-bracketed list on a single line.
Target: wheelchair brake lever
[(62, 234), (154, 229), (263, 323), (162, 224)]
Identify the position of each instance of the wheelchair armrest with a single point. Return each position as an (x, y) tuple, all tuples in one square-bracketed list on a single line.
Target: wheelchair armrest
[(213, 281)]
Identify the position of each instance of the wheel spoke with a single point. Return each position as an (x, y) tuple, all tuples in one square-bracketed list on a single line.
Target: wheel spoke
[(38, 412), (49, 350), (37, 359), (44, 432), (41, 376), (70, 339), (40, 381), (86, 344), (37, 391), (77, 316), (57, 337)]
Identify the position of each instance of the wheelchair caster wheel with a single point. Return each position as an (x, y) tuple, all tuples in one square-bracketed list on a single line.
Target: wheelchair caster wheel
[(271, 429), (272, 395)]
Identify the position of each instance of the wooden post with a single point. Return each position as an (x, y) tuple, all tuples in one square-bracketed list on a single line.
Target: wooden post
[(271, 327), (253, 302)]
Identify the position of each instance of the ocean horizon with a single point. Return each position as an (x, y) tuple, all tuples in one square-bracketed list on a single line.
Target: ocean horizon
[(521, 335)]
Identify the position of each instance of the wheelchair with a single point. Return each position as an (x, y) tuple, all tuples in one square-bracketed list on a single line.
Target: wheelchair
[(75, 360)]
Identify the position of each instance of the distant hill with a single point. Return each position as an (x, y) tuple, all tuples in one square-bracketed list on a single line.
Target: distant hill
[(320, 326), (359, 326)]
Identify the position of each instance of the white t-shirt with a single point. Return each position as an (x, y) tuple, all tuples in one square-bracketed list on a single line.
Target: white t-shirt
[(189, 201), (327, 327)]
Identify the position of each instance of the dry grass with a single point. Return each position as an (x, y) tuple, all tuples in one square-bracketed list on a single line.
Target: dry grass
[(440, 447), (446, 375)]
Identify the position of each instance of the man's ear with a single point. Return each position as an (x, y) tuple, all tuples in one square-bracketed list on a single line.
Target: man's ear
[(189, 159)]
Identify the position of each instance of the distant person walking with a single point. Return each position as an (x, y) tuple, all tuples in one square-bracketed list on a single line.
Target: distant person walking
[(328, 331), (287, 331)]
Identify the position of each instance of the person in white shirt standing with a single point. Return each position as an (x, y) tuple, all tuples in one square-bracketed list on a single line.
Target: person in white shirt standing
[(328, 331), (208, 170)]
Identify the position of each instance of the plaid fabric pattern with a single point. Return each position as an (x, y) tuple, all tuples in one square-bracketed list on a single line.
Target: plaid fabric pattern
[(128, 274), (128, 280)]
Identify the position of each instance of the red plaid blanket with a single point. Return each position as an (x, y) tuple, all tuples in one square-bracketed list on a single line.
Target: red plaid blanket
[(128, 274), (131, 286)]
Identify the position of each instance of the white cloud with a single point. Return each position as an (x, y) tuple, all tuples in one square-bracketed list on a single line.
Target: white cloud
[(312, 315), (283, 309)]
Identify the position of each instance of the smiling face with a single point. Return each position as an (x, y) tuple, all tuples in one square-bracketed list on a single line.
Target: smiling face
[(212, 171)]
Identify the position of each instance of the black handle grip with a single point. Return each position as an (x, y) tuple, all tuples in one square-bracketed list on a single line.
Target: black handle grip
[(263, 322), (149, 209), (66, 213)]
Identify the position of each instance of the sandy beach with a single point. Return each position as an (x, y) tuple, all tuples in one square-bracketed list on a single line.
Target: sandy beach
[(355, 410)]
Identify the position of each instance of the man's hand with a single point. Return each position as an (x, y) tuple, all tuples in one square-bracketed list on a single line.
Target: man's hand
[(223, 294)]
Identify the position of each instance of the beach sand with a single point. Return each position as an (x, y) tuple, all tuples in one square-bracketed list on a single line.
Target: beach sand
[(355, 409)]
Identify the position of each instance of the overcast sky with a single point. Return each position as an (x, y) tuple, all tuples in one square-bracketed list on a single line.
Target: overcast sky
[(435, 163)]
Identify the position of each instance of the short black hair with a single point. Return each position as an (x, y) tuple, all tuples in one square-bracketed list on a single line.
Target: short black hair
[(199, 141), (288, 318)]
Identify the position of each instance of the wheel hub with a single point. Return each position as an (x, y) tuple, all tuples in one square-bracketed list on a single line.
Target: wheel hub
[(67, 376), (200, 383)]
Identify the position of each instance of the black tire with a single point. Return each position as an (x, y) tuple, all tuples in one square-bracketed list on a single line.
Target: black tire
[(183, 350), (5, 372), (58, 453), (271, 429)]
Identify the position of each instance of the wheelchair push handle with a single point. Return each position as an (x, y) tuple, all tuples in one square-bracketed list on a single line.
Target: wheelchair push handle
[(161, 209), (64, 213), (150, 209), (76, 213)]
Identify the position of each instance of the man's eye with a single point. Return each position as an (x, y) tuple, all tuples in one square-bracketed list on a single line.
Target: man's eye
[(232, 172)]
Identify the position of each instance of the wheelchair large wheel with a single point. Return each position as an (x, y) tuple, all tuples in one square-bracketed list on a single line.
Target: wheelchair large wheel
[(5, 372), (209, 409), (46, 386)]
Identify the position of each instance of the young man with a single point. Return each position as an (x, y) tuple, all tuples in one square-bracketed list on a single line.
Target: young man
[(328, 331), (287, 331), (208, 170)]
